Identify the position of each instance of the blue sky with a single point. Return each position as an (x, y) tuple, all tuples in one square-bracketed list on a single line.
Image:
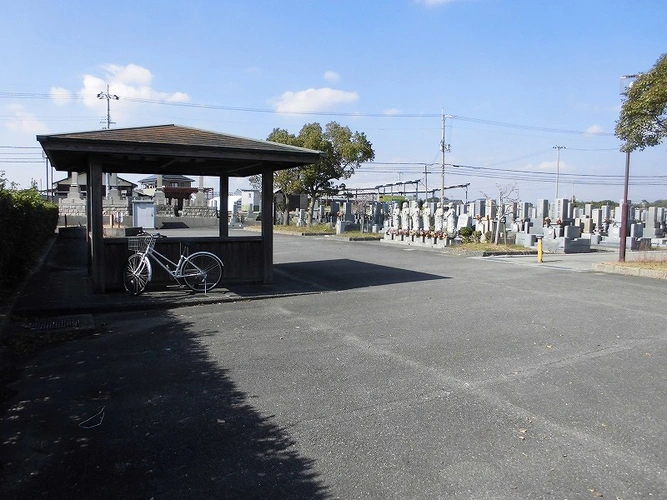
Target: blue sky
[(514, 77)]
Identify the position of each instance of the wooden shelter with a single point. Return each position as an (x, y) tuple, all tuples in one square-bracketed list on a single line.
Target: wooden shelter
[(173, 149)]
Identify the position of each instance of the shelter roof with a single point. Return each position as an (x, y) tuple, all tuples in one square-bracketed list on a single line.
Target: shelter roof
[(171, 149)]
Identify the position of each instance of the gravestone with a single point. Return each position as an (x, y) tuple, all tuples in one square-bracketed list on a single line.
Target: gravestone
[(346, 208), (301, 218), (588, 209), (464, 221), (334, 208), (542, 208), (587, 225), (605, 213)]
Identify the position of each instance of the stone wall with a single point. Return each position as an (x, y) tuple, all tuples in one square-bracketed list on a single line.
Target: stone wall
[(203, 212)]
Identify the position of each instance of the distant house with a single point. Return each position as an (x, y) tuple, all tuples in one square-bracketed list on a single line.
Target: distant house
[(61, 187), (149, 184), (250, 200), (176, 188), (233, 203)]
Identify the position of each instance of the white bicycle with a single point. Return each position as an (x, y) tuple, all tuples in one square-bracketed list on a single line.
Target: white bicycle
[(201, 271)]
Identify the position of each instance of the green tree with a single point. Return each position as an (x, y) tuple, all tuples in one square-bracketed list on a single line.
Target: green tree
[(643, 119), (344, 151)]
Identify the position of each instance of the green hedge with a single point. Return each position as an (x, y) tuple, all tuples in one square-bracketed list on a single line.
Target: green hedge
[(26, 224)]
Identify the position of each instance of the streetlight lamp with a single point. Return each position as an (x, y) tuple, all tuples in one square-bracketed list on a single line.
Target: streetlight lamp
[(626, 82), (108, 97)]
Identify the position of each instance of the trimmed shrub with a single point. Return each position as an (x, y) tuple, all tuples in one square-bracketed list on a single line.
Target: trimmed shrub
[(26, 224), (466, 234)]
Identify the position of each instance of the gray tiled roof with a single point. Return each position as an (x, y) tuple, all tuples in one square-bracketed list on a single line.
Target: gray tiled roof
[(171, 149), (177, 135)]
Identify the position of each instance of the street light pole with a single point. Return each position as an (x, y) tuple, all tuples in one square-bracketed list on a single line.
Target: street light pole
[(108, 97), (557, 168)]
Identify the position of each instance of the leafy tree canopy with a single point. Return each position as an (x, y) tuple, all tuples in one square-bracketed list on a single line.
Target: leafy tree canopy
[(344, 151), (643, 119)]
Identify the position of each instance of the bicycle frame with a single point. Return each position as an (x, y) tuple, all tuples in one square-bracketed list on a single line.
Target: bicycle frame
[(164, 262), (200, 271)]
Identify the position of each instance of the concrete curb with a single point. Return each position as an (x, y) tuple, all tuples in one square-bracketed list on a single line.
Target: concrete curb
[(618, 268)]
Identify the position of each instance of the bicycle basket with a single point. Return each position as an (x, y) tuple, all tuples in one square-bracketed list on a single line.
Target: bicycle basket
[(141, 243)]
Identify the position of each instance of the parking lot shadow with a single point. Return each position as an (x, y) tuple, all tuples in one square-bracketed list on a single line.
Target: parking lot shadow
[(347, 274), (143, 413)]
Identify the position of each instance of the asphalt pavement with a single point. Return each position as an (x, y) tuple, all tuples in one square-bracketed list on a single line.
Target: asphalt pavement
[(367, 370)]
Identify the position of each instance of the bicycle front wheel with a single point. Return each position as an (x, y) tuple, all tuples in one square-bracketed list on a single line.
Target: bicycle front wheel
[(202, 271), (137, 274)]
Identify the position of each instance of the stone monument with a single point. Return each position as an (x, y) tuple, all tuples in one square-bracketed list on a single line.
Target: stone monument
[(405, 216), (450, 221), (415, 215), (439, 217), (426, 217)]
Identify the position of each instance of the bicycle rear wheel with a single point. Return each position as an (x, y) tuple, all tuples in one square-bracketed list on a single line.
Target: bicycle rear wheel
[(137, 274), (202, 271)]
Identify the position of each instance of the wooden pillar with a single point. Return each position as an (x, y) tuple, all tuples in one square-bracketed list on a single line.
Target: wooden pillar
[(89, 224), (223, 221), (267, 223), (96, 228)]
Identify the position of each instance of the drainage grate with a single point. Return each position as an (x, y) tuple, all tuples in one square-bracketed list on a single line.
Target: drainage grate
[(78, 322)]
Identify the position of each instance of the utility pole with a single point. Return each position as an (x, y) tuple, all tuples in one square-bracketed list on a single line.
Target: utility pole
[(47, 193), (627, 82), (557, 169), (445, 148), (108, 97)]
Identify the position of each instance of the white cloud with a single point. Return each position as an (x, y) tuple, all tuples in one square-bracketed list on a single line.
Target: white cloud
[(178, 97), (544, 166), (23, 121), (594, 130), (131, 73), (60, 95), (548, 166), (392, 111), (331, 76), (312, 100), (128, 83)]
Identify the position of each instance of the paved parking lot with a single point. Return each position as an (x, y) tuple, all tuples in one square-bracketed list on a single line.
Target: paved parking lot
[(400, 374)]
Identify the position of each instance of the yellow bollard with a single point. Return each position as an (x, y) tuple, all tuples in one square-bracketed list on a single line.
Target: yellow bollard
[(539, 250)]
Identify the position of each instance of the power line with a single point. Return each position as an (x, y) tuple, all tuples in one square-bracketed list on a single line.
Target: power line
[(27, 95)]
